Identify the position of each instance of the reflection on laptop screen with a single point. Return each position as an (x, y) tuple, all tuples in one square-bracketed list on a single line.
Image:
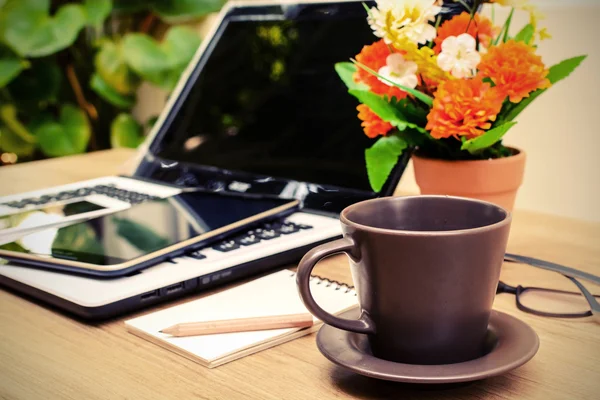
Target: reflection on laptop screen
[(269, 102)]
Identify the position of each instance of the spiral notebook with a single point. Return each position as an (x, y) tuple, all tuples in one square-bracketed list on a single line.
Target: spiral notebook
[(271, 295)]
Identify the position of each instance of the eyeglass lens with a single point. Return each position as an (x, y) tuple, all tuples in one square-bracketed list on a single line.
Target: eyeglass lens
[(554, 302)]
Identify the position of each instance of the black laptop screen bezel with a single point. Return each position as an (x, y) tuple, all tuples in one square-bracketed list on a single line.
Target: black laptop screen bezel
[(315, 195)]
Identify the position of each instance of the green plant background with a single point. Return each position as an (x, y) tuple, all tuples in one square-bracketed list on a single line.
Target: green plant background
[(70, 70)]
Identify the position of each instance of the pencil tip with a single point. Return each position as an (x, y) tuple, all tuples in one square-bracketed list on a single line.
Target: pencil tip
[(160, 331)]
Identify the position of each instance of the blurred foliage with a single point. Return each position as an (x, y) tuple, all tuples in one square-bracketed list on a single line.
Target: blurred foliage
[(70, 70)]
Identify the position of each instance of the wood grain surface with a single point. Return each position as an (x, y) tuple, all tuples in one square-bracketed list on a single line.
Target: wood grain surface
[(48, 355)]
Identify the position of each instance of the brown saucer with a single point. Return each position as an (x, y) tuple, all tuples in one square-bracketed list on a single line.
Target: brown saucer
[(510, 344)]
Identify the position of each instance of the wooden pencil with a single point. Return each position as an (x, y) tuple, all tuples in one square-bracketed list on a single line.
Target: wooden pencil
[(240, 325)]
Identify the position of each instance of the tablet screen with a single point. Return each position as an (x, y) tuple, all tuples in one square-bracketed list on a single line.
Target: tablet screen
[(142, 229)]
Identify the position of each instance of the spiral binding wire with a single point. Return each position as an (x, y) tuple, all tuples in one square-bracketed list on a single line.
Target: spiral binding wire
[(329, 283)]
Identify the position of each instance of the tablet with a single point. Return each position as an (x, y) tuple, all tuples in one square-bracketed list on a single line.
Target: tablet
[(143, 235), (20, 223)]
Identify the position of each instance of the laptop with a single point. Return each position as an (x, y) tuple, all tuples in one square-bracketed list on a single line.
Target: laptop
[(260, 110)]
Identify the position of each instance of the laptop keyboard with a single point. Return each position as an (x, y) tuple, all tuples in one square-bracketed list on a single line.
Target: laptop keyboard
[(267, 231), (107, 190)]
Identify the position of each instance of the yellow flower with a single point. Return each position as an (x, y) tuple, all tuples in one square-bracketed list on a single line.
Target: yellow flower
[(544, 34), (534, 14)]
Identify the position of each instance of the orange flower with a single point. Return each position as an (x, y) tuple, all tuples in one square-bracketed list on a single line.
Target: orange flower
[(481, 27), (374, 56), (515, 69), (371, 123), (463, 107)]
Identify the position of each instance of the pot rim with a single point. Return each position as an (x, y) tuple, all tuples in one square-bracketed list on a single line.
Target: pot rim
[(514, 158)]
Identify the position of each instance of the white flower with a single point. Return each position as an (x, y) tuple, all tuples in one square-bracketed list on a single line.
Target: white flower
[(399, 71), (407, 18), (459, 55)]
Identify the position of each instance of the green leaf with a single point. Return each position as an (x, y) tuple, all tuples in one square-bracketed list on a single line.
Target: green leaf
[(413, 113), (175, 11), (138, 235), (143, 55), (526, 34), (8, 116), (10, 66), (14, 136), (29, 30), (381, 159), (9, 69), (413, 137), (76, 126), (114, 71), (180, 43), (564, 68), (69, 135), (97, 11), (488, 139), (163, 63), (385, 110), (125, 131), (419, 95), (346, 72), (503, 34), (556, 73), (36, 87), (109, 94)]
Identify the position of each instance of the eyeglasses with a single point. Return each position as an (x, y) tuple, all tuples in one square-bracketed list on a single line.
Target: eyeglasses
[(551, 302)]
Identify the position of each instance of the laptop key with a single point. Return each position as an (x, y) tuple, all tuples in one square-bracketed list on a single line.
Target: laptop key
[(226, 246), (196, 254), (275, 225), (45, 199), (288, 228), (303, 226), (247, 240), (83, 192), (267, 234), (16, 204), (66, 195)]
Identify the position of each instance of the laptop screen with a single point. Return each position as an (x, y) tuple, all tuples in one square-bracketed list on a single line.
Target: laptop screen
[(268, 101)]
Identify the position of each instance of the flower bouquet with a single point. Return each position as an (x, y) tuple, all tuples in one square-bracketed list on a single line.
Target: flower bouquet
[(449, 89)]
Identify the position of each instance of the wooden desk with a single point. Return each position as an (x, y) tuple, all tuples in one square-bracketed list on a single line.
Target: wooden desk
[(48, 355)]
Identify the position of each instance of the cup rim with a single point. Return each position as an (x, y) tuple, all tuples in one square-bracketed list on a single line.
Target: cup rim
[(402, 232)]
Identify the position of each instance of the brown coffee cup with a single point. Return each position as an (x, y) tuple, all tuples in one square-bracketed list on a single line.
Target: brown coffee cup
[(425, 270)]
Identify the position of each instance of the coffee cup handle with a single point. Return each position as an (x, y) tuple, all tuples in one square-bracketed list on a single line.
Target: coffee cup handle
[(345, 245)]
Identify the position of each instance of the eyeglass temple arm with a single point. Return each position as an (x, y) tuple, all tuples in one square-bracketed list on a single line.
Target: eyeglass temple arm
[(561, 269)]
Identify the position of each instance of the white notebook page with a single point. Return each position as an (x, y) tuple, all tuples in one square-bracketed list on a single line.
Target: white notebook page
[(271, 295)]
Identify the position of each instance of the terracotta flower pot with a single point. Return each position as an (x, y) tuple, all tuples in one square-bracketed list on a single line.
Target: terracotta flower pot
[(494, 180)]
